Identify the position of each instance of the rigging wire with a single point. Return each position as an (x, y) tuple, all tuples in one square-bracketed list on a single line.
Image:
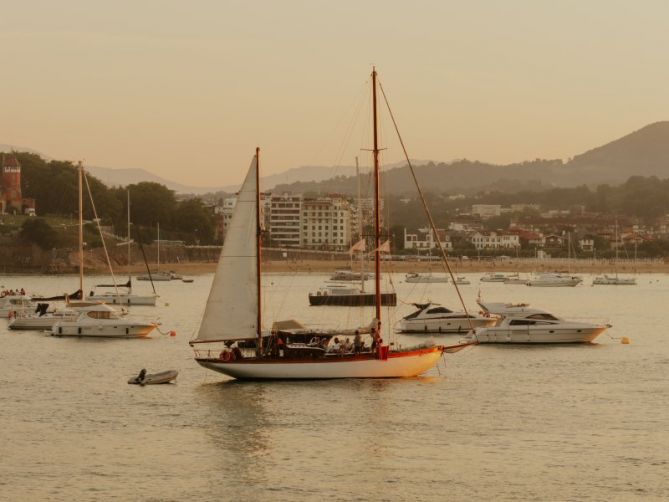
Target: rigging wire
[(104, 246)]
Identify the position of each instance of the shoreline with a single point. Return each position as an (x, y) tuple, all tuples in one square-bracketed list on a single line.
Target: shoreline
[(525, 266)]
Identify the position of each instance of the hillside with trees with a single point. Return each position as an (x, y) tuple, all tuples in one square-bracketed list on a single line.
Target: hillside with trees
[(53, 184)]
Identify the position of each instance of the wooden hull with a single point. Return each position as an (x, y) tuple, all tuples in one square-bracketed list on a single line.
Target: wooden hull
[(398, 365), (361, 300)]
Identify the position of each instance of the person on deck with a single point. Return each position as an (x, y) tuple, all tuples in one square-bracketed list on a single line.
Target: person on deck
[(357, 343), (336, 346), (347, 346)]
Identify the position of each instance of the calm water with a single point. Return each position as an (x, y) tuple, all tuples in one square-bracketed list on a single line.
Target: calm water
[(495, 423)]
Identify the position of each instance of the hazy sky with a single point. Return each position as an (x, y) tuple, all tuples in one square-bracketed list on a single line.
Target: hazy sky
[(187, 89)]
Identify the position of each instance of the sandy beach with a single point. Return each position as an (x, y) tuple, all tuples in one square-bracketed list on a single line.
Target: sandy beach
[(458, 266)]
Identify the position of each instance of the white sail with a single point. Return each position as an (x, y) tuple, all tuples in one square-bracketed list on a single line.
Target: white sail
[(232, 307)]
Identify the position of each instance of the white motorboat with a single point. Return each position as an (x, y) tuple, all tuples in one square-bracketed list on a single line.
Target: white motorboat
[(607, 280), (554, 280), (433, 318), (15, 305), (42, 319), (537, 327), (497, 277), (461, 280), (425, 278), (102, 321)]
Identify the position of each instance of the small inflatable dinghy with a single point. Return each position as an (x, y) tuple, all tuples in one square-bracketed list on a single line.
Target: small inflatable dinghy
[(155, 378)]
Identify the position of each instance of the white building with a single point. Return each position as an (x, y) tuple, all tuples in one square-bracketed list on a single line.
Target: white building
[(326, 223), (586, 245), (423, 239), (284, 220), (486, 210), (494, 240)]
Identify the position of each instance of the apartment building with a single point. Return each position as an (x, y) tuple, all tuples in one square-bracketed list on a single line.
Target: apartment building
[(326, 223)]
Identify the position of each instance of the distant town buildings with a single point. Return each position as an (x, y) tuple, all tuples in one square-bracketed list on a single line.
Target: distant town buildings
[(486, 211), (423, 239), (495, 240)]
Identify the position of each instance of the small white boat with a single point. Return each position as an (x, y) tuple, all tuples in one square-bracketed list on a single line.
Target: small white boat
[(433, 318), (537, 327), (607, 280), (15, 305), (497, 277), (461, 280), (160, 276), (425, 278), (102, 321), (348, 275), (154, 378), (555, 281)]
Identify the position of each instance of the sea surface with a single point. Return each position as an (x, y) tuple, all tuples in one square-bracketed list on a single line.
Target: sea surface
[(579, 422)]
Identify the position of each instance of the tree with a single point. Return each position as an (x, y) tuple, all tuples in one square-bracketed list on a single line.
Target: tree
[(38, 231), (191, 217)]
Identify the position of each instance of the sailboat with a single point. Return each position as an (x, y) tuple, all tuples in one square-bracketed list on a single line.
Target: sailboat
[(233, 315), (127, 297), (607, 280), (159, 275), (93, 317)]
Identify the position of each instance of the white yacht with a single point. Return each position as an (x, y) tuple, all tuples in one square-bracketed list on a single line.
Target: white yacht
[(425, 278), (497, 277), (607, 280), (433, 318), (13, 305), (102, 321), (536, 326), (555, 281)]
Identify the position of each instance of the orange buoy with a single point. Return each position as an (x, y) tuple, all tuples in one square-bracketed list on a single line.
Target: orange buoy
[(173, 333)]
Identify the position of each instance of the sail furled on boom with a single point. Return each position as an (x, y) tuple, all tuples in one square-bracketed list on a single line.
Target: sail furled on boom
[(232, 306)]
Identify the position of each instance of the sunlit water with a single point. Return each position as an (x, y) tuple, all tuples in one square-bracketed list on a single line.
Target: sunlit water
[(493, 423)]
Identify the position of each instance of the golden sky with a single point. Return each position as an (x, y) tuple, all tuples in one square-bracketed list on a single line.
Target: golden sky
[(188, 89)]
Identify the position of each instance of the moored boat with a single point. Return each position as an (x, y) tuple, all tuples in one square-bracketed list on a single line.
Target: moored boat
[(539, 327), (433, 318), (414, 277), (102, 321), (233, 315), (554, 281)]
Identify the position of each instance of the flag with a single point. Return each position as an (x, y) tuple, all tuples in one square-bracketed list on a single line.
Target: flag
[(384, 248), (358, 247)]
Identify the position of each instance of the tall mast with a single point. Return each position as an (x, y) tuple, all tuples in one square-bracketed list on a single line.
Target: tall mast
[(258, 251), (128, 235), (360, 237), (81, 228), (377, 212), (158, 239)]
